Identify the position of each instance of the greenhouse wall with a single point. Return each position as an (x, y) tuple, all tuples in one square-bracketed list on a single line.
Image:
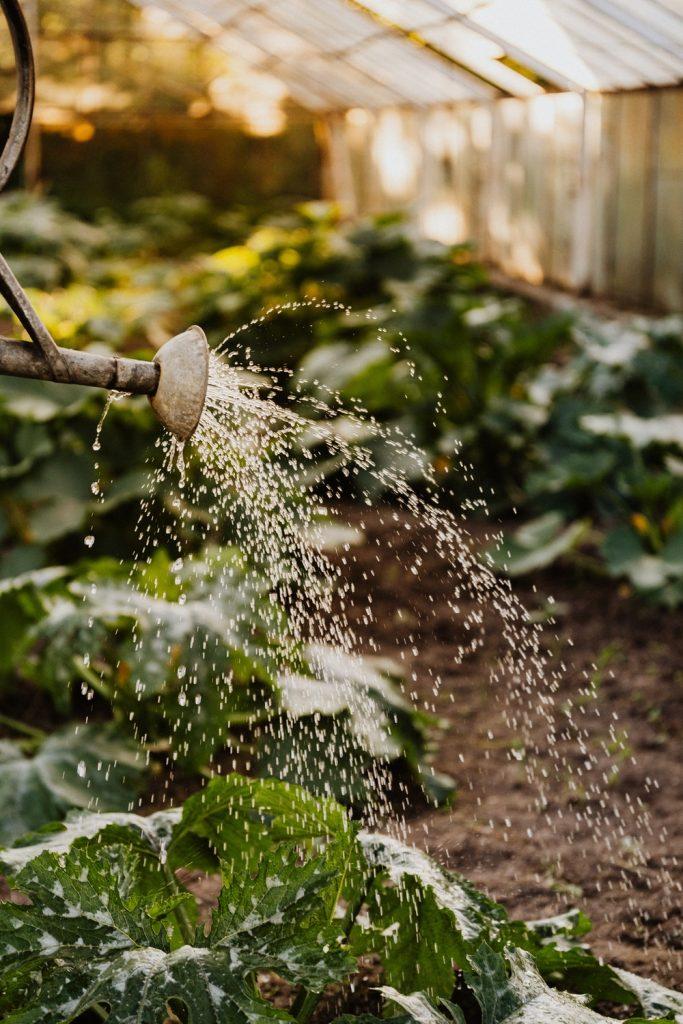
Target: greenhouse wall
[(586, 193)]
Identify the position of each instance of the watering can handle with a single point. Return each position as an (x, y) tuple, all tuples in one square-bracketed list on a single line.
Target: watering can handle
[(10, 289), (26, 76)]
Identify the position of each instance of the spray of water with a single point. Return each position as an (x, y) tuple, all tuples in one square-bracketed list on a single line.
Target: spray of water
[(265, 466)]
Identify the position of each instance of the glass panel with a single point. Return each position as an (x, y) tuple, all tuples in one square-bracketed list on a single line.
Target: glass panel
[(591, 44), (413, 15), (663, 22), (617, 54), (482, 55), (330, 25), (418, 76), (268, 35), (343, 84)]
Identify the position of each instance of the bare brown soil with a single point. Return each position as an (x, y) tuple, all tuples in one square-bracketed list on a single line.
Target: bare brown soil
[(632, 654)]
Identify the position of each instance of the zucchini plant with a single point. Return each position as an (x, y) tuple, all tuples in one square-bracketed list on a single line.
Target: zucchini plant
[(183, 667), (108, 923)]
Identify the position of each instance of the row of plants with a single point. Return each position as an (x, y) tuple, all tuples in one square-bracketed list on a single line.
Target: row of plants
[(574, 425), (109, 924), (133, 669), (106, 920)]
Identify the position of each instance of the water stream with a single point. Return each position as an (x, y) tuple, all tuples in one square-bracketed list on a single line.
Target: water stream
[(273, 458)]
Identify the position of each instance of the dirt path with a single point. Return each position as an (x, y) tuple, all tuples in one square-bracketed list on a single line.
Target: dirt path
[(534, 862)]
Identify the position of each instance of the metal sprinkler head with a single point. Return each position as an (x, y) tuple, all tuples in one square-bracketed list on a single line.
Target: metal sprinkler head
[(183, 378), (175, 382)]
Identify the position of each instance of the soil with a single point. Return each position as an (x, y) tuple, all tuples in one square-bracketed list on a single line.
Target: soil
[(631, 652)]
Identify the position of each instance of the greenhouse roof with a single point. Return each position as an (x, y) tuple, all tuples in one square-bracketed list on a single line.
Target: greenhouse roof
[(336, 54)]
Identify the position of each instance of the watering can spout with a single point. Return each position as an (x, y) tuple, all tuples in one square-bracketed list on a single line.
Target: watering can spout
[(183, 364), (175, 382)]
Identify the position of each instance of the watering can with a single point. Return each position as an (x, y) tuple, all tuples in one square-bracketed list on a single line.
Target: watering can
[(175, 382)]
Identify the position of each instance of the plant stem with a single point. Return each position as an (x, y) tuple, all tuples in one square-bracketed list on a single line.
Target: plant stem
[(306, 1002), (92, 679), (27, 730), (179, 913), (308, 1005)]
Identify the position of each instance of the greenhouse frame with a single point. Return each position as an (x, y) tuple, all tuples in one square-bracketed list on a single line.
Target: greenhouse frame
[(546, 130)]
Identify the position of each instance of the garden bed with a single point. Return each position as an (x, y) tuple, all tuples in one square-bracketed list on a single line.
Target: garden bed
[(629, 650), (635, 650)]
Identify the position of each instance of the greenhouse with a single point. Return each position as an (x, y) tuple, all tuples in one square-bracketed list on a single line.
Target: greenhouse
[(341, 511)]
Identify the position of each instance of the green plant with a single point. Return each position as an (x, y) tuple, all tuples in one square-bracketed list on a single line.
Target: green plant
[(42, 777), (580, 421), (110, 924), (191, 665)]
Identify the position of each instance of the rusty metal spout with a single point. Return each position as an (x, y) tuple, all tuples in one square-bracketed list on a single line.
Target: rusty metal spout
[(175, 381)]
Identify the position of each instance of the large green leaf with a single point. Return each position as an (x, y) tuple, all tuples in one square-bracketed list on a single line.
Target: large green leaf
[(234, 818), (283, 909), (538, 544), (522, 997), (92, 935), (425, 921), (79, 766)]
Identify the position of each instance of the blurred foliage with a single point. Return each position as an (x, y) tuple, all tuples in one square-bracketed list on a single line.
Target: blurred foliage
[(83, 766), (175, 662), (606, 451), (577, 425)]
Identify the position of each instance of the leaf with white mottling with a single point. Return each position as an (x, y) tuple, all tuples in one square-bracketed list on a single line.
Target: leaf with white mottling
[(489, 981), (426, 921), (139, 983), (430, 919), (472, 912), (522, 997), (154, 829), (76, 910), (282, 909), (654, 999), (90, 933), (420, 1010), (85, 766)]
